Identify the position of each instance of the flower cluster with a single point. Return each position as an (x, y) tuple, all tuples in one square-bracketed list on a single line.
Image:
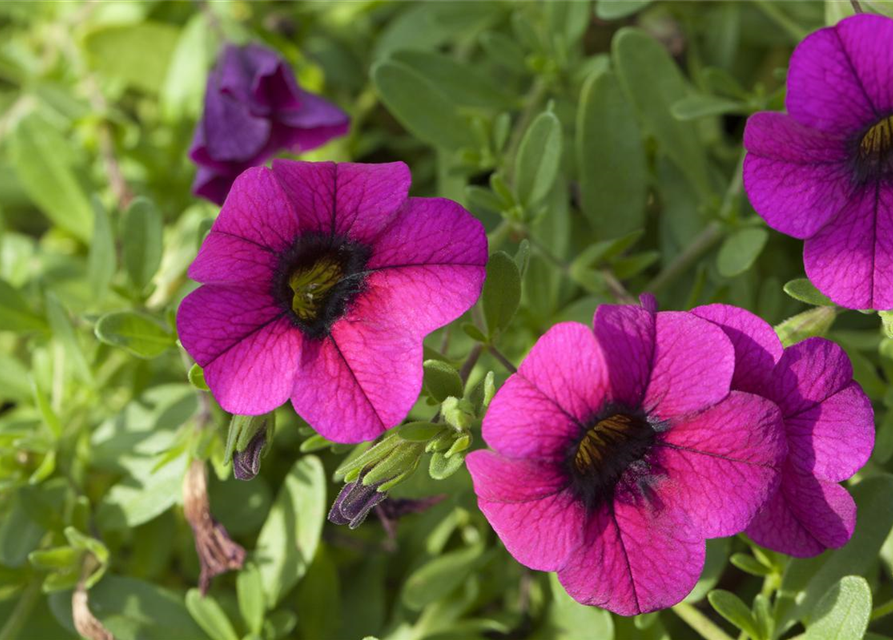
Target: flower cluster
[(618, 449), (254, 108), (822, 172)]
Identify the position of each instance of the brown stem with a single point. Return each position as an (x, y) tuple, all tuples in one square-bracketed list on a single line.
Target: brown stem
[(470, 361), (85, 622), (216, 550)]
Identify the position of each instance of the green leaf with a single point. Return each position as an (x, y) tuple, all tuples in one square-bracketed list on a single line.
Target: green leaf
[(142, 241), (196, 377), (442, 380), (539, 158), (749, 564), (806, 581), (815, 322), (184, 83), (740, 250), (63, 331), (502, 292), (463, 83), (119, 52), (438, 577), (56, 558), (843, 612), (420, 106), (136, 333), (442, 467), (288, 540), (611, 163), (48, 177), (618, 9), (318, 597), (101, 261), (504, 51), (700, 106), (419, 431), (653, 81), (250, 589), (730, 607), (574, 621), (714, 565), (15, 314), (50, 419), (803, 290), (209, 616), (134, 610)]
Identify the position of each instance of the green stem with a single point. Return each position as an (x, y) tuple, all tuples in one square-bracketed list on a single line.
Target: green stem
[(882, 610), (22, 610), (699, 622), (681, 263), (782, 19), (505, 362)]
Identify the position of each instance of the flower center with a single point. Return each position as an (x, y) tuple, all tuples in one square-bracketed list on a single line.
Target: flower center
[(317, 279), (875, 155), (613, 443), (312, 284)]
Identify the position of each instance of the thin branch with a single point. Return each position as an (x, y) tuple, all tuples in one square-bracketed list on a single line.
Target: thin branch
[(505, 362), (699, 622)]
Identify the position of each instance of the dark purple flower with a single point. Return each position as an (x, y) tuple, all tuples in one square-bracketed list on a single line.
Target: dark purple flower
[(823, 172), (254, 108)]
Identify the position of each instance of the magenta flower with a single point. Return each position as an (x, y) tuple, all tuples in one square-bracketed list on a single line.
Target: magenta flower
[(320, 282), (619, 451), (254, 109), (823, 172), (829, 424)]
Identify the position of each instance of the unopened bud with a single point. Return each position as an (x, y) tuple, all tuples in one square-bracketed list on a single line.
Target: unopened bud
[(354, 503)]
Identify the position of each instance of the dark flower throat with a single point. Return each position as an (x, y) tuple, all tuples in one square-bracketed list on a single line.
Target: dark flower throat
[(614, 441), (874, 159), (317, 278)]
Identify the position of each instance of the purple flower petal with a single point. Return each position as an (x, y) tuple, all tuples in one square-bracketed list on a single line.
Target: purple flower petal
[(851, 259), (229, 259), (527, 503), (723, 463), (540, 410), (362, 379), (349, 199), (797, 178), (248, 349), (212, 184), (757, 347), (635, 558), (805, 517), (625, 334), (830, 85), (808, 373), (258, 211), (693, 365)]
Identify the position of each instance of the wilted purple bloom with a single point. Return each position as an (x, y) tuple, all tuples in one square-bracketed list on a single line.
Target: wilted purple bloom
[(829, 427), (823, 171), (254, 108), (618, 449)]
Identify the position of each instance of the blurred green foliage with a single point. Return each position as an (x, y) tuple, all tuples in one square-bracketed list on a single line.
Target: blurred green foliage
[(599, 142)]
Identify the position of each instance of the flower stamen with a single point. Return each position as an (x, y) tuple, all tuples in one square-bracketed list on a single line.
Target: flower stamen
[(311, 285)]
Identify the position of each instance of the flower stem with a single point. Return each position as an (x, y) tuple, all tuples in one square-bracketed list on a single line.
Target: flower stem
[(505, 362), (681, 263), (882, 610), (782, 19), (699, 622), (470, 361), (856, 6)]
